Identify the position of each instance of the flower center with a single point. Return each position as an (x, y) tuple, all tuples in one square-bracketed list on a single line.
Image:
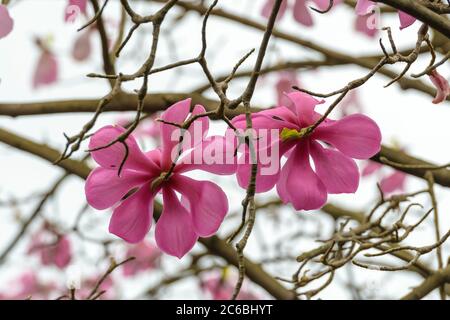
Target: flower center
[(160, 180), (293, 134)]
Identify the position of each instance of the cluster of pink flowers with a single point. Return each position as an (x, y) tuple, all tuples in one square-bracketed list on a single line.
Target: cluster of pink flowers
[(203, 204)]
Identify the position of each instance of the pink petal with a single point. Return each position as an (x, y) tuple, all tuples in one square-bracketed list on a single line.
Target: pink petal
[(302, 14), (393, 182), (364, 24), (174, 234), (338, 172), (363, 7), (405, 19), (298, 183), (104, 187), (264, 182), (356, 136), (370, 168), (75, 7), (442, 86), (132, 219), (215, 154), (274, 118), (284, 85), (112, 157), (303, 106), (208, 204), (82, 47), (63, 254), (46, 70), (268, 6), (6, 23), (170, 134)]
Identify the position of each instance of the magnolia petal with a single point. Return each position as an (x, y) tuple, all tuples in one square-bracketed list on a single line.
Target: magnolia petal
[(46, 71), (302, 14), (174, 233), (104, 187), (405, 19), (6, 22), (442, 86), (393, 182), (113, 156), (63, 254), (268, 6), (356, 136), (363, 7), (208, 203), (299, 184), (304, 105), (338, 172), (132, 219)]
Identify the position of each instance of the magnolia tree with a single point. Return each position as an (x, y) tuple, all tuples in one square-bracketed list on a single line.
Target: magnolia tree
[(224, 149)]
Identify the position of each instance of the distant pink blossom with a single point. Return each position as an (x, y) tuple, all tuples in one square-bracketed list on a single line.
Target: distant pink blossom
[(300, 9), (366, 24), (6, 22), (351, 104), (363, 7), (355, 136), (82, 47), (147, 257), (219, 288), (286, 80), (52, 249), (29, 286), (395, 181), (442, 86), (148, 127), (46, 71), (71, 10), (203, 204), (88, 284)]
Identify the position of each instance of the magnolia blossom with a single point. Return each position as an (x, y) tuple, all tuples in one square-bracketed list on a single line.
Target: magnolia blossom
[(219, 287), (355, 136), (56, 252), (442, 86), (203, 204), (73, 8), (147, 257), (6, 22), (390, 183), (366, 24), (300, 10), (149, 127), (82, 47), (29, 286), (46, 71), (365, 6)]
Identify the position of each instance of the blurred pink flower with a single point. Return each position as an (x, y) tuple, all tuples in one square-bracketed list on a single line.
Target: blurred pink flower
[(219, 288), (147, 257), (286, 80), (442, 86), (355, 136), (300, 10), (28, 286), (390, 183), (148, 127), (46, 71), (363, 7), (6, 22), (88, 284), (351, 104), (82, 47), (73, 8), (56, 252), (366, 24), (203, 205)]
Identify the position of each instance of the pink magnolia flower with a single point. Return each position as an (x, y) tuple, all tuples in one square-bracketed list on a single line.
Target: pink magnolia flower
[(82, 47), (286, 81), (366, 24), (89, 283), (147, 257), (365, 6), (56, 252), (300, 10), (27, 286), (442, 86), (389, 183), (6, 22), (220, 288), (73, 8), (354, 136), (203, 204), (46, 71)]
